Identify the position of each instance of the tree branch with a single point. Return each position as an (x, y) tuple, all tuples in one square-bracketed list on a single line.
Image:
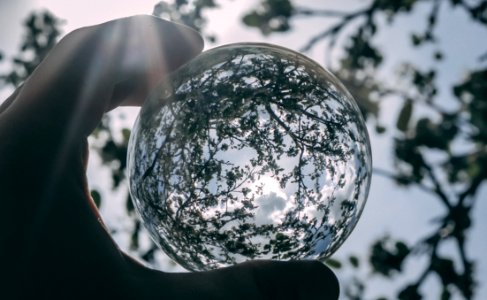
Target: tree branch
[(396, 177), (335, 29), (438, 188), (471, 190), (304, 11)]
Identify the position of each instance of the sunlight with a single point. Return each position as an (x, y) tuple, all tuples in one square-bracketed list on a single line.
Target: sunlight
[(90, 12), (272, 201), (269, 186)]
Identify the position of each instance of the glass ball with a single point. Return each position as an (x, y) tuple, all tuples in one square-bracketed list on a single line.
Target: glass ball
[(249, 151)]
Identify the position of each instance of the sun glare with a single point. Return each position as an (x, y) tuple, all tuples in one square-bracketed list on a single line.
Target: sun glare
[(270, 186)]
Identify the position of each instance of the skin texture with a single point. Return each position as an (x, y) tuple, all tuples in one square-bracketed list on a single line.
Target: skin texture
[(53, 244)]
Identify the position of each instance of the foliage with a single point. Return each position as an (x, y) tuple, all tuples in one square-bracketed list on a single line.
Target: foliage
[(453, 180), (42, 32), (221, 132), (188, 12)]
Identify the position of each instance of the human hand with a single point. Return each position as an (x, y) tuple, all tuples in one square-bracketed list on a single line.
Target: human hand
[(53, 243)]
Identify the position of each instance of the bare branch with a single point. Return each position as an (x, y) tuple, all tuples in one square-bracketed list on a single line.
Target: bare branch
[(438, 188), (334, 30), (304, 11), (397, 177), (471, 189)]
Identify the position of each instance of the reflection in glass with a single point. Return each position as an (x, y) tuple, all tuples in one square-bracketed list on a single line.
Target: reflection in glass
[(250, 151)]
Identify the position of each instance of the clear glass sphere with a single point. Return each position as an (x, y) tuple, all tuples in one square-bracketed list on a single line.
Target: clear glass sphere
[(249, 151)]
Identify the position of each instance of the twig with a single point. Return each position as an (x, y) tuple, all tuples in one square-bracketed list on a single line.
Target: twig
[(471, 190), (335, 29), (396, 177), (438, 188), (304, 11)]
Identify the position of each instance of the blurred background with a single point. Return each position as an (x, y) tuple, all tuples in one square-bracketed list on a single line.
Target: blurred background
[(418, 70)]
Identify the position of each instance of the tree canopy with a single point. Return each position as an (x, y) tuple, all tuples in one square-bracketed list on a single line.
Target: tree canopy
[(438, 147)]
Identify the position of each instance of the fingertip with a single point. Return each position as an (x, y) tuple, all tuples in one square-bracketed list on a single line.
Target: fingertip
[(174, 42), (192, 38), (306, 279), (180, 43), (322, 282)]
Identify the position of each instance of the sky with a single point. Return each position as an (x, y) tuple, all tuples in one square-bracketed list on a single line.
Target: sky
[(402, 212)]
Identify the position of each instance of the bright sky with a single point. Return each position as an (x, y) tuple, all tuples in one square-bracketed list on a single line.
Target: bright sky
[(403, 212)]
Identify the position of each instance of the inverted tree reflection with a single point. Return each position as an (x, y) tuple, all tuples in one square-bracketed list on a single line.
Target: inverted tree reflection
[(249, 152)]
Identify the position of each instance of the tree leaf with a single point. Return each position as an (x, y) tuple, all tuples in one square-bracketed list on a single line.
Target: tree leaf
[(96, 196), (333, 263), (405, 115), (354, 261)]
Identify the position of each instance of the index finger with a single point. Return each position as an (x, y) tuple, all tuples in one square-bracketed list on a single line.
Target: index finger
[(76, 83)]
